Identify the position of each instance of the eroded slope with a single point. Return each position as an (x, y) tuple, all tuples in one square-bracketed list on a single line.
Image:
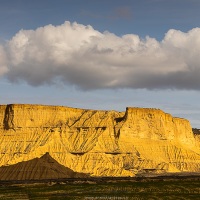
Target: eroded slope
[(43, 168), (102, 143)]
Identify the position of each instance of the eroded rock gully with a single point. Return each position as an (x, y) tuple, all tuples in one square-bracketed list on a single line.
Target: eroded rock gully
[(101, 143)]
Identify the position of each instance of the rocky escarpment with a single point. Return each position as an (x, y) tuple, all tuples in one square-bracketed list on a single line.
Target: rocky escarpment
[(101, 143)]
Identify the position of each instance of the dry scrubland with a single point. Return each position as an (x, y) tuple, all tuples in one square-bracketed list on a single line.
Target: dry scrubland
[(125, 190)]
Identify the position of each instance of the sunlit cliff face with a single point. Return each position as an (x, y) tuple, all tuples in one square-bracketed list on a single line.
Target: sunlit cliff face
[(102, 143)]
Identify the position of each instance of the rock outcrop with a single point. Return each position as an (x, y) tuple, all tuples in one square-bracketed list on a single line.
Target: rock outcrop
[(43, 168), (101, 143)]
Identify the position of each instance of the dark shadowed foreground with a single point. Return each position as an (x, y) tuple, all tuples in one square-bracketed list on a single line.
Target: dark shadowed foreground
[(186, 188)]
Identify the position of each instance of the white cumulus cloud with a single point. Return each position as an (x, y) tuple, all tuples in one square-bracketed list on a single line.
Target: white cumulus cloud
[(79, 55)]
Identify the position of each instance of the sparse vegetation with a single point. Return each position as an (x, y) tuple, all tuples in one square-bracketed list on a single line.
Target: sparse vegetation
[(147, 189)]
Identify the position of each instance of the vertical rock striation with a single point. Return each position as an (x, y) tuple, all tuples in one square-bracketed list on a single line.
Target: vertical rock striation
[(102, 143)]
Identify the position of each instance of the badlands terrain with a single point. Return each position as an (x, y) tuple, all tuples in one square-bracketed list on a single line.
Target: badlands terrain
[(96, 143)]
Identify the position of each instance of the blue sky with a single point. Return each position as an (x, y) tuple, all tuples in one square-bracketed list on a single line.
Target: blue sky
[(118, 53)]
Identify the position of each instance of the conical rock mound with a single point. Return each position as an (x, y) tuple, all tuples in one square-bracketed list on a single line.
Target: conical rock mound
[(42, 168)]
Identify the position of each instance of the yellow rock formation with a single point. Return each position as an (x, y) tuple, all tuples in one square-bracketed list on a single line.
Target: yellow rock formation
[(102, 143)]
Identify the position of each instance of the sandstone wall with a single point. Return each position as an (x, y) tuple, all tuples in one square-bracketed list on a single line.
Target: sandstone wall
[(102, 143), (2, 114)]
